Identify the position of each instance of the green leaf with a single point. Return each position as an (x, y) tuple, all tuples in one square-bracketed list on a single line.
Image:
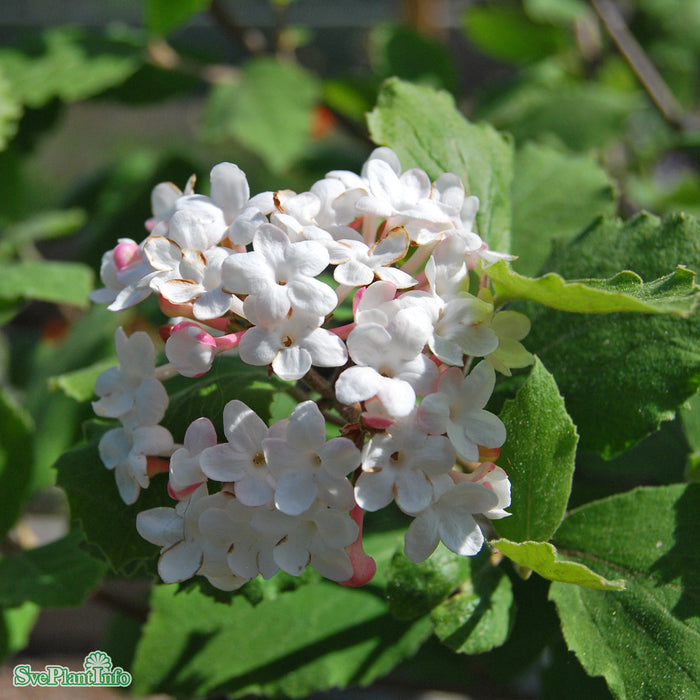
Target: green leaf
[(425, 129), (230, 378), (58, 574), (10, 110), (415, 589), (57, 282), (16, 452), (556, 194), (401, 51), (480, 616), (41, 227), (557, 11), (15, 626), (676, 293), (95, 501), (66, 69), (505, 33), (622, 374), (582, 116), (645, 640), (543, 559), (162, 16), (269, 111), (80, 384), (538, 456), (690, 417), (316, 637)]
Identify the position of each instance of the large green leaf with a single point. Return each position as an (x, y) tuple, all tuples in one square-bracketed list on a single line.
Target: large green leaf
[(425, 129), (269, 111), (58, 574), (316, 637), (622, 374), (538, 456), (58, 282), (94, 500), (16, 453), (645, 640), (556, 194), (415, 589), (480, 615), (675, 293)]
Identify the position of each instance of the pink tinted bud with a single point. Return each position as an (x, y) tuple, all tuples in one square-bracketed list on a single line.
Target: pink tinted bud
[(363, 566), (170, 309), (228, 342), (125, 253), (190, 349), (156, 465), (343, 331), (489, 454), (183, 493)]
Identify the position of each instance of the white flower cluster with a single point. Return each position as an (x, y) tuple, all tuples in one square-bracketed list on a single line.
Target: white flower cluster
[(263, 277)]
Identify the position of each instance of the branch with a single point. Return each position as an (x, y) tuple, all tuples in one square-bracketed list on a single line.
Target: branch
[(650, 78)]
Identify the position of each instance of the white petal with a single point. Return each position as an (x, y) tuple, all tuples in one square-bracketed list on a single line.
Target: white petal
[(161, 526), (422, 537), (180, 562), (295, 492), (229, 189)]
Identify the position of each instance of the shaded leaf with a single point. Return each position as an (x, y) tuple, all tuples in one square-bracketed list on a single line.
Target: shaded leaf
[(58, 574), (645, 640), (425, 129), (622, 374), (538, 456), (480, 615), (80, 384), (16, 453), (556, 194), (41, 227), (415, 589)]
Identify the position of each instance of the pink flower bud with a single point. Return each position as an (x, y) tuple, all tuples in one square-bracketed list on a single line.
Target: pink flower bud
[(363, 566), (190, 349)]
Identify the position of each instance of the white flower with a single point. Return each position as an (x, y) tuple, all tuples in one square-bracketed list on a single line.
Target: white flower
[(242, 459), (496, 479), (389, 363), (191, 349), (450, 519), (279, 275), (186, 551), (126, 274), (249, 552), (457, 408), (317, 537), (130, 392), (357, 263), (306, 466), (292, 345), (185, 471), (403, 200), (126, 452), (399, 465)]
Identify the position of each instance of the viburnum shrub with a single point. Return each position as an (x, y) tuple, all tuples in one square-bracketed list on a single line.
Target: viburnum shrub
[(369, 294)]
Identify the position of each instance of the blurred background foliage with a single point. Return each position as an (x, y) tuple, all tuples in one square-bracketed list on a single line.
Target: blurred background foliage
[(101, 100)]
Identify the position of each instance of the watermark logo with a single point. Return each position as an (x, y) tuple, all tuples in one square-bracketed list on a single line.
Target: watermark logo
[(97, 671)]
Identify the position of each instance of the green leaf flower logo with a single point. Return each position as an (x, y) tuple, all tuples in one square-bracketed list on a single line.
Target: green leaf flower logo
[(98, 659)]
